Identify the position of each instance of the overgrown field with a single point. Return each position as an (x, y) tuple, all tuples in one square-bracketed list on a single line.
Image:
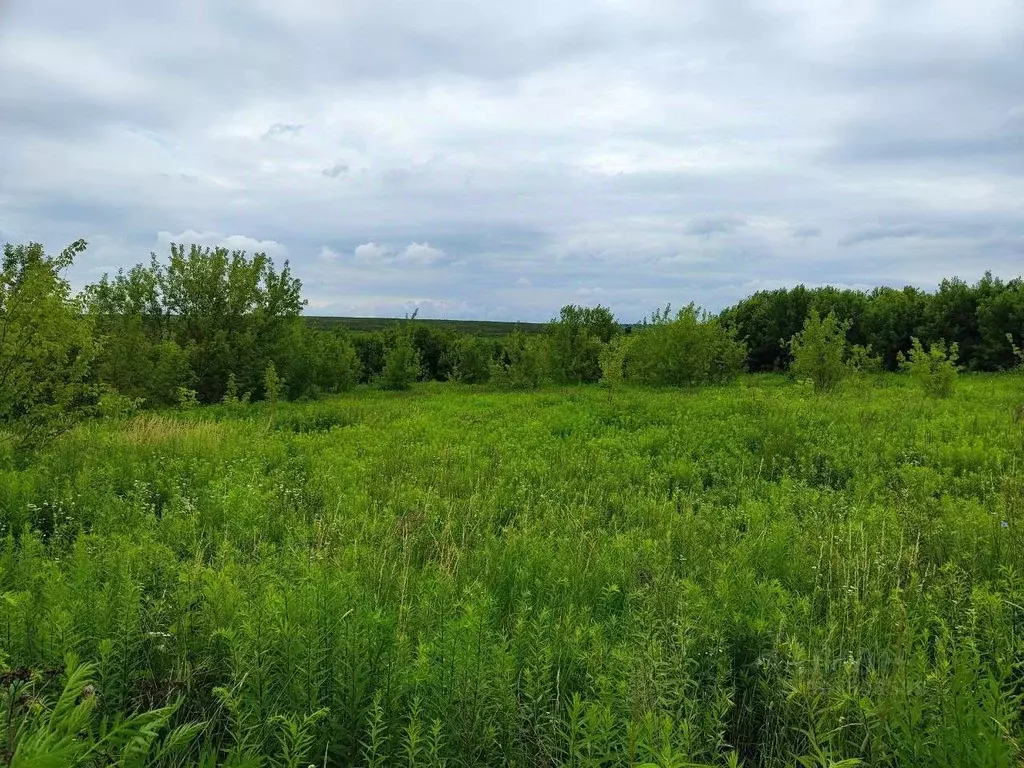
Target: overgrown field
[(582, 577)]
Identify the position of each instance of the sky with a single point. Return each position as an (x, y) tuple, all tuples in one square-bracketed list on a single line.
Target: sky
[(497, 160)]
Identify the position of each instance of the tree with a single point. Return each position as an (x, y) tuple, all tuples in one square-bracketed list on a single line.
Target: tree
[(46, 345), (137, 356), (229, 310), (819, 351), (316, 362), (402, 360), (520, 363), (687, 349), (471, 359), (935, 368), (575, 340)]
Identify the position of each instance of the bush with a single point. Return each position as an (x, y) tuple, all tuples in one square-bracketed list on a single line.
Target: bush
[(935, 369), (818, 351), (575, 341), (862, 360), (521, 362), (402, 360), (688, 349), (471, 359)]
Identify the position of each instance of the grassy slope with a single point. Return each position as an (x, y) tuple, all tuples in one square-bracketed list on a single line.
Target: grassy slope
[(634, 576)]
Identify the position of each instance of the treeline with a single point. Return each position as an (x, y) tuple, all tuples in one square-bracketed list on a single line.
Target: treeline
[(208, 325), (977, 318)]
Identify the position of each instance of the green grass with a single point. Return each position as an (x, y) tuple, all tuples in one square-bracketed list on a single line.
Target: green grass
[(576, 577), (484, 328)]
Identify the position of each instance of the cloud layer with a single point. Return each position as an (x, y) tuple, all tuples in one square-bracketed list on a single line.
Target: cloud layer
[(498, 160)]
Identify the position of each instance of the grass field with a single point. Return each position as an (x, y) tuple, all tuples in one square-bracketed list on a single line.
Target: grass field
[(577, 577)]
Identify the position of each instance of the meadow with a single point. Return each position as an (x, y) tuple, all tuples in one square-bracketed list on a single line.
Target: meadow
[(451, 576)]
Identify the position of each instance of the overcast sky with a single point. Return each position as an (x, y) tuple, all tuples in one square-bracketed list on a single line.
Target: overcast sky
[(485, 159)]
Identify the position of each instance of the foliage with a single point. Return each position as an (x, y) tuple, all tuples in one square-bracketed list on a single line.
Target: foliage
[(316, 363), (402, 365), (225, 311), (613, 360), (934, 369), (471, 360), (723, 575), (521, 362), (687, 349), (819, 351), (861, 359), (46, 346), (69, 733), (575, 340)]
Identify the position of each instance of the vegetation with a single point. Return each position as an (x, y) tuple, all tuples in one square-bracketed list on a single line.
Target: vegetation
[(692, 567), (549, 578), (934, 369), (819, 351), (688, 349)]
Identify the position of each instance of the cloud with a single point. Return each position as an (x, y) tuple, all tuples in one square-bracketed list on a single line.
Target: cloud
[(215, 240), (336, 170), (283, 129), (805, 232), (661, 151), (711, 225)]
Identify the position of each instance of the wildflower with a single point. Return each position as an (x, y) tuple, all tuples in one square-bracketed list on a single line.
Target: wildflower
[(1004, 524)]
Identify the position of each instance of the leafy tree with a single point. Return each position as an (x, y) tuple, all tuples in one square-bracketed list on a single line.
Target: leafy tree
[(935, 368), (575, 340), (402, 360), (613, 360), (471, 359), (687, 349), (315, 362), (819, 351), (370, 350), (520, 363), (137, 356), (230, 310), (46, 345), (892, 317), (999, 314)]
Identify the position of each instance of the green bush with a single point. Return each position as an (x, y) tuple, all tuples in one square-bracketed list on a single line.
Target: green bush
[(521, 362), (575, 341), (471, 360), (401, 360), (934, 369), (687, 349), (819, 351)]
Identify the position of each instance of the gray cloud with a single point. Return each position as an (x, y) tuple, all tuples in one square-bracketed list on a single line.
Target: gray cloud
[(510, 158)]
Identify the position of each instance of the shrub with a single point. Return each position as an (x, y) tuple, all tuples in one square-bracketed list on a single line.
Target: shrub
[(520, 363), (471, 359), (935, 369), (690, 348), (401, 361), (575, 341), (818, 351), (862, 360)]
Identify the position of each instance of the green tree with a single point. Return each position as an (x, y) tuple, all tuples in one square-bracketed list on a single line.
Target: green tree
[(471, 360), (575, 340), (935, 369), (687, 349), (819, 351), (520, 363), (46, 345), (315, 362), (402, 360)]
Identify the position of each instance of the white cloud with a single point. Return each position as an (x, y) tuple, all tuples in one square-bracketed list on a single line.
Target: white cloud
[(215, 240), (663, 151)]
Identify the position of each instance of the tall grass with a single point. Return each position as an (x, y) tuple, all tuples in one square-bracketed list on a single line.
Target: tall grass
[(748, 573)]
